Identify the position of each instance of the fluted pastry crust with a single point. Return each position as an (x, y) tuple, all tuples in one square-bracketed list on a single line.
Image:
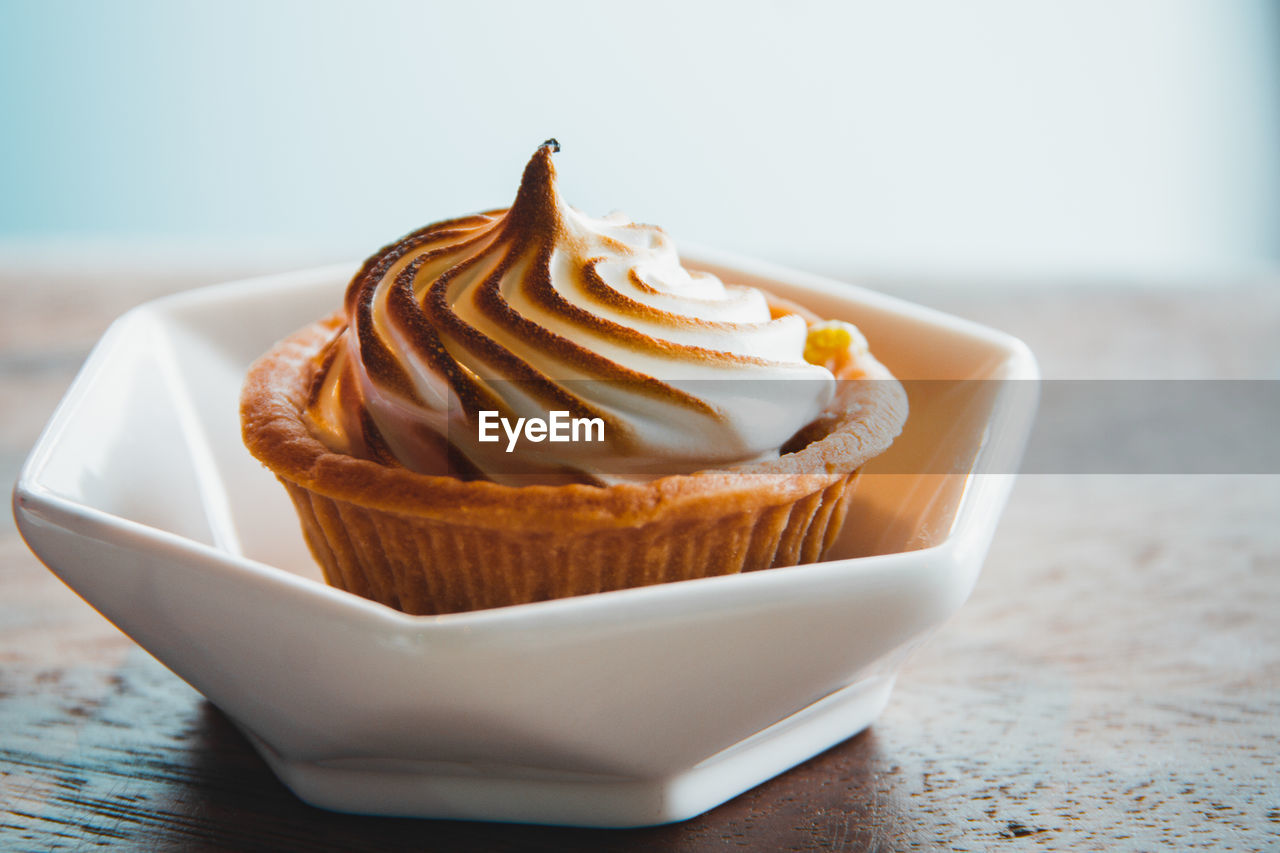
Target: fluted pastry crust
[(438, 544)]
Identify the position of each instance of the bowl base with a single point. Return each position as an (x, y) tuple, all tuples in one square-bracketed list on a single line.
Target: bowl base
[(463, 791)]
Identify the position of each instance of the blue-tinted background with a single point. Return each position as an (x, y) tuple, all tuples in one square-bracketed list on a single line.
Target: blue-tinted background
[(997, 136)]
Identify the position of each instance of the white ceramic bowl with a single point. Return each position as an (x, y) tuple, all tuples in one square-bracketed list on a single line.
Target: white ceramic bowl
[(626, 708)]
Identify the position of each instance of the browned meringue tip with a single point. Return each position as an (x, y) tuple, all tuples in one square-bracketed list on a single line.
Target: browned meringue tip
[(535, 207)]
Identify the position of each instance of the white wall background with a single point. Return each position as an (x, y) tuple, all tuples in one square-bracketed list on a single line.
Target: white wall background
[(990, 137)]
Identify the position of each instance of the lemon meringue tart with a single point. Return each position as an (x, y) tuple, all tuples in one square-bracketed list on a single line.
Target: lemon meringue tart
[(530, 403)]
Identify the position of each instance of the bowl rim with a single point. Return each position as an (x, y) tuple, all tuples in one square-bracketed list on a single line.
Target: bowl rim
[(35, 503)]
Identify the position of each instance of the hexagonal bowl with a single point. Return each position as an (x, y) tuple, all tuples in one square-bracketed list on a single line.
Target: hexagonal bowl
[(626, 708)]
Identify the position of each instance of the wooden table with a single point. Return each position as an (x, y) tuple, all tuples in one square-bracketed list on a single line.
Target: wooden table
[(1114, 682)]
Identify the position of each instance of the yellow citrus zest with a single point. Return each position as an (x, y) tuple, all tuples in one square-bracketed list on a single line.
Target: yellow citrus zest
[(826, 342)]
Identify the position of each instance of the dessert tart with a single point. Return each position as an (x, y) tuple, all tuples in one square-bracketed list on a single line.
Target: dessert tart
[(530, 403)]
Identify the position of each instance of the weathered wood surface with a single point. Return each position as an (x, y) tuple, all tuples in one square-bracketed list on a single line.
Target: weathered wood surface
[(1114, 683)]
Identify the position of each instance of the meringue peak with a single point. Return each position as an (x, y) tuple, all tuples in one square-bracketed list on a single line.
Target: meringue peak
[(537, 203), (540, 308)]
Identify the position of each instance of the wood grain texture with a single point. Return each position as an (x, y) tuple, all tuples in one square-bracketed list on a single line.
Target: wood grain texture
[(1113, 683)]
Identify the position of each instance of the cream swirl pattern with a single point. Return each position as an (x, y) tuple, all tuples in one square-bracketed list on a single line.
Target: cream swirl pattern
[(539, 308)]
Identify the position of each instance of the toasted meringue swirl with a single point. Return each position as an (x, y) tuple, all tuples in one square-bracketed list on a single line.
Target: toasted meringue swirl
[(539, 308)]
